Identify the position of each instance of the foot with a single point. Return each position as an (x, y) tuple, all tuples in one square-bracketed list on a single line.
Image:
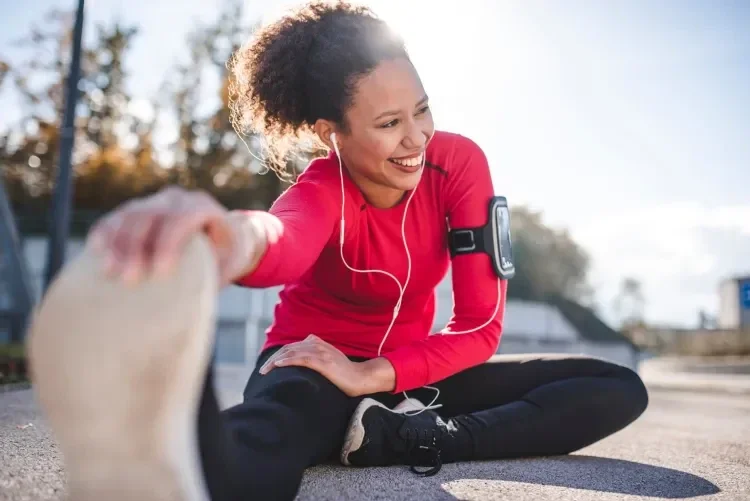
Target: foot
[(118, 372), (379, 436)]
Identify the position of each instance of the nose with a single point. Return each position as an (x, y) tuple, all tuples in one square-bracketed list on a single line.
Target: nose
[(416, 137)]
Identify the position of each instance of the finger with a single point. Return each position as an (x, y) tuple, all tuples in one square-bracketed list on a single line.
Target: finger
[(308, 360), (177, 229), (272, 359), (319, 345), (135, 261), (119, 244), (102, 235), (292, 351), (128, 237)]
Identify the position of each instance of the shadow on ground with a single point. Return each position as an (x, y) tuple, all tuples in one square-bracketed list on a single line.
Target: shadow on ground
[(561, 477), (604, 475)]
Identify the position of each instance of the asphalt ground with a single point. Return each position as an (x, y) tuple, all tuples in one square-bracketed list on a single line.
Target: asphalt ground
[(688, 444)]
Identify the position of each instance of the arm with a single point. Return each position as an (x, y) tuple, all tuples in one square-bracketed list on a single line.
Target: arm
[(294, 233), (475, 287)]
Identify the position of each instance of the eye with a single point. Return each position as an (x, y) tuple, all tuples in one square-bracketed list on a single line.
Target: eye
[(390, 124), (423, 110)]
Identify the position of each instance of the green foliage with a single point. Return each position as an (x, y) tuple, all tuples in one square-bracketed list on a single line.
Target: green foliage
[(12, 350), (549, 263), (13, 366)]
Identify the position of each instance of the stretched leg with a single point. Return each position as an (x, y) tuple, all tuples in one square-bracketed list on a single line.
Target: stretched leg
[(289, 419), (118, 372), (510, 407), (123, 376)]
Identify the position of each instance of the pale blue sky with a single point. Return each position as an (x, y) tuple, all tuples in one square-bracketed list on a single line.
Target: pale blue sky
[(626, 121)]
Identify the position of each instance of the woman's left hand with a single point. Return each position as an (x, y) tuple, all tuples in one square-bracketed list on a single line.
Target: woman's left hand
[(324, 358)]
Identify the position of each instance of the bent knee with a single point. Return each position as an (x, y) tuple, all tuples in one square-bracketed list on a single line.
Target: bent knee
[(635, 397), (297, 385)]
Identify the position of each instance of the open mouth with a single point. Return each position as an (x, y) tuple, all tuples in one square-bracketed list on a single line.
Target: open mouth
[(410, 164)]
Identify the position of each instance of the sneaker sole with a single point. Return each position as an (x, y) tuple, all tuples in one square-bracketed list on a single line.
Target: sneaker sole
[(355, 433), (118, 373)]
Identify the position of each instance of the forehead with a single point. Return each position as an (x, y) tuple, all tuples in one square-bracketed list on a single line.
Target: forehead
[(393, 85)]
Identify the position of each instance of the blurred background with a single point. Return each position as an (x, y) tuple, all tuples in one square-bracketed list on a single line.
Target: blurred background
[(619, 131)]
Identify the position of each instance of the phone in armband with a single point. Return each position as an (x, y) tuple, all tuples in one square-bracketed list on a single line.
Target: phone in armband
[(492, 239)]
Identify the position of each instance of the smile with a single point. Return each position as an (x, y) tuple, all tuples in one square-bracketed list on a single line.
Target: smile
[(408, 162)]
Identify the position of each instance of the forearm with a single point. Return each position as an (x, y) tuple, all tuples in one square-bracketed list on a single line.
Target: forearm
[(378, 376), (292, 233), (251, 243)]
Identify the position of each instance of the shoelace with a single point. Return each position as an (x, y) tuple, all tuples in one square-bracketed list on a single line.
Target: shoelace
[(423, 442)]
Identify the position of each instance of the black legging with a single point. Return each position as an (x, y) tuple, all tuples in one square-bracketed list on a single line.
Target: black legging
[(515, 405)]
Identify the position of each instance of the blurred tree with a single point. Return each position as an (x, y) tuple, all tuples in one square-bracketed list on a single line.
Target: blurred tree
[(208, 152), (629, 303), (549, 263), (117, 156), (121, 164), (107, 171)]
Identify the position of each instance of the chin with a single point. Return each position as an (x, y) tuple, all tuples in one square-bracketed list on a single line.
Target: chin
[(406, 182)]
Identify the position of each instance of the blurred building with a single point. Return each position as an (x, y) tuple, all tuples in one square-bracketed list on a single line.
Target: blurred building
[(728, 335), (734, 303), (529, 327)]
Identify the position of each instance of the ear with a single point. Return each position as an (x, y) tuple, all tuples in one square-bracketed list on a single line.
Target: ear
[(324, 129)]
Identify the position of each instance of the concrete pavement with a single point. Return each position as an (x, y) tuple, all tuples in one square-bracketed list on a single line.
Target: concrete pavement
[(686, 445), (706, 374)]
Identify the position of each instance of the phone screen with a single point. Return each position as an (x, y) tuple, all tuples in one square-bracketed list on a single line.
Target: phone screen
[(506, 248)]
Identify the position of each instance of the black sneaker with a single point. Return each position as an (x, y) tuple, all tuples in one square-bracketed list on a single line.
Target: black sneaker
[(379, 436)]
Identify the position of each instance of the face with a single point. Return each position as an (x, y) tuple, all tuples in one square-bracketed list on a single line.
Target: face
[(389, 126)]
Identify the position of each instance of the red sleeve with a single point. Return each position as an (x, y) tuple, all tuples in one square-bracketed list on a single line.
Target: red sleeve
[(298, 225), (475, 286)]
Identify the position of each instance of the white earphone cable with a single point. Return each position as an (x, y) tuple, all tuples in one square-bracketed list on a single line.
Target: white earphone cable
[(402, 288)]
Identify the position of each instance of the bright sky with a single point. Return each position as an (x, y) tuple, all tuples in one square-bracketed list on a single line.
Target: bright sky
[(626, 121)]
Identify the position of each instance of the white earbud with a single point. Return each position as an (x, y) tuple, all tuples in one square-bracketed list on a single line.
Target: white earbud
[(333, 140)]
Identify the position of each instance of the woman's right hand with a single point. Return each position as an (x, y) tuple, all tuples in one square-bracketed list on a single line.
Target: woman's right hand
[(147, 235)]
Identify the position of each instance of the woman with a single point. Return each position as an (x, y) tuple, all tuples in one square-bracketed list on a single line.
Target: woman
[(360, 242)]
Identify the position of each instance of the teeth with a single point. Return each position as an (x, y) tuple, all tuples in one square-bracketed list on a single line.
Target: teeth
[(409, 162)]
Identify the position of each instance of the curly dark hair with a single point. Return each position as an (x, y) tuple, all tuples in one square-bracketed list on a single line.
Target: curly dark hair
[(303, 68)]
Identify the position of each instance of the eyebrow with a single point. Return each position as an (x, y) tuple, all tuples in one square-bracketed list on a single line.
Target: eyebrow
[(389, 113)]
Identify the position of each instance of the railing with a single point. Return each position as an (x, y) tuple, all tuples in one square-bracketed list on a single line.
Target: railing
[(16, 293)]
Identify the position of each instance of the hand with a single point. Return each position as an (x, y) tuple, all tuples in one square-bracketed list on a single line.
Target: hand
[(324, 358), (146, 235)]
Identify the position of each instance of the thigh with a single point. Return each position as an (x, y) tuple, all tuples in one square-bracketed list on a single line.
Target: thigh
[(293, 411), (507, 378)]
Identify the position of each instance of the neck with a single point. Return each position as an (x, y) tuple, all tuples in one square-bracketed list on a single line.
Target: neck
[(377, 195), (382, 197)]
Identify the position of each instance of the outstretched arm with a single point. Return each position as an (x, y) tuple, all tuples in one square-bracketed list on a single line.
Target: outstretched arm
[(294, 232)]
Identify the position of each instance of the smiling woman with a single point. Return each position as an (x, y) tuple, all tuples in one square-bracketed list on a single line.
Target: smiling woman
[(356, 80), (359, 243)]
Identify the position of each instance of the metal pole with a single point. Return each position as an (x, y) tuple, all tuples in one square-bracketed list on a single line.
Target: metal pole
[(19, 281), (59, 220)]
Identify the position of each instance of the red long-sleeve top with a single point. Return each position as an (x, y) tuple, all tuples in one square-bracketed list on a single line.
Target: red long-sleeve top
[(352, 311)]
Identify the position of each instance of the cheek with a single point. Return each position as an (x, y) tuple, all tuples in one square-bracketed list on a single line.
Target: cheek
[(427, 124), (381, 146)]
